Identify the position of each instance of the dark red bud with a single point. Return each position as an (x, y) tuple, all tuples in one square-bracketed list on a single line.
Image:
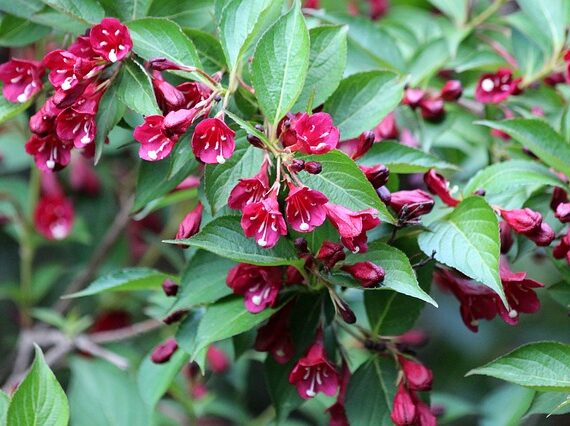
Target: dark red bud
[(439, 185), (404, 410), (313, 167), (344, 310), (367, 273), (432, 109), (543, 236), (301, 245), (558, 196), (169, 287), (330, 253), (296, 166), (413, 338), (377, 175), (175, 317), (255, 141), (260, 128), (217, 359), (412, 97), (563, 212), (451, 91), (522, 221), (163, 352)]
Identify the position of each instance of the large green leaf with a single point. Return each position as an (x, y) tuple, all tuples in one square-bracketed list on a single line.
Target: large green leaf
[(16, 31), (403, 159), (544, 366), (39, 399), (87, 11), (22, 8), (127, 10), (326, 65), (550, 17), (162, 38), (363, 100), (280, 65), (455, 9), (128, 279), (467, 240), (209, 50), (135, 89), (224, 237), (370, 393), (540, 138), (110, 112), (344, 183)]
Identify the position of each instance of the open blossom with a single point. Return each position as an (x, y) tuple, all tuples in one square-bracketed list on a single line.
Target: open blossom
[(366, 273), (275, 338), (190, 225), (438, 185), (259, 285), (54, 216), (22, 79), (263, 221), (76, 127), (314, 373), (213, 141), (111, 39), (352, 226), (305, 208), (68, 70), (314, 134), (496, 87), (249, 190), (156, 142), (49, 152), (194, 93)]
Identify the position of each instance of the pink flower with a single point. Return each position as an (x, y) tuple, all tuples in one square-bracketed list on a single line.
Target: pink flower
[(75, 127), (49, 152), (418, 376), (496, 87), (263, 221), (275, 338), (68, 70), (111, 39), (314, 373), (22, 79), (368, 274), (213, 141), (432, 109), (315, 134), (378, 8), (563, 212), (217, 359), (259, 285), (387, 129), (249, 190), (356, 148), (403, 409), (352, 226), (43, 121), (305, 208), (413, 97), (53, 217), (411, 204), (439, 185), (163, 352), (190, 225)]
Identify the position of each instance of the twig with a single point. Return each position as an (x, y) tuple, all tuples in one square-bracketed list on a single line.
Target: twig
[(126, 332)]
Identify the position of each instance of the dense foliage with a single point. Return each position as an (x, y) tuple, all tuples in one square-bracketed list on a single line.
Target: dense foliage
[(286, 212)]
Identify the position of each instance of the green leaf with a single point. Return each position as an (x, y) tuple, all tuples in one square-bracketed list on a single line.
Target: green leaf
[(555, 403), (203, 281), (4, 403), (21, 8), (209, 50), (549, 17), (87, 11), (9, 110), (39, 399), (16, 31), (543, 366), (429, 59), (154, 379), (502, 181), (128, 279), (135, 89), (403, 159), (239, 23), (391, 313), (224, 237), (110, 112), (327, 60), (363, 100), (344, 183), (280, 65), (467, 240), (540, 138), (400, 275), (220, 179), (101, 395), (162, 38), (370, 393), (455, 9), (127, 10)]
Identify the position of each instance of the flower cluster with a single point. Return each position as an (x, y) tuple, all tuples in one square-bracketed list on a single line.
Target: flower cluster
[(494, 88), (432, 104)]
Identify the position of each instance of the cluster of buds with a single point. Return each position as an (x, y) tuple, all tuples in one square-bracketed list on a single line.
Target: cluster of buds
[(480, 302), (494, 88), (561, 207), (80, 76), (432, 105)]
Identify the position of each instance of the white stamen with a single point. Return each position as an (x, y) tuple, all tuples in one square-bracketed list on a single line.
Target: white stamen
[(22, 97), (58, 230), (16, 79), (304, 226), (50, 164), (105, 32), (220, 159), (103, 44), (487, 85), (113, 55), (513, 313)]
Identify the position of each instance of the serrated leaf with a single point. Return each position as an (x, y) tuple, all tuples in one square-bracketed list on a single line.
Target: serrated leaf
[(127, 279), (39, 399), (280, 65), (135, 89), (224, 237), (543, 366), (467, 240), (403, 159), (110, 112), (540, 138), (87, 11), (344, 183), (327, 60), (363, 100), (370, 393), (220, 179)]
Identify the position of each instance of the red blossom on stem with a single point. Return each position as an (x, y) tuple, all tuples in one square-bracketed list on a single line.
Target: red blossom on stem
[(259, 285), (22, 79)]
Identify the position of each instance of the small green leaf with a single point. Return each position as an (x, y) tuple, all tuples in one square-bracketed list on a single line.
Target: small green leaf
[(87, 11), (9, 110), (39, 399), (403, 159), (16, 31), (127, 279), (135, 89), (110, 112), (280, 65), (224, 237), (344, 183), (543, 366), (4, 403), (363, 100), (127, 10), (467, 240), (209, 50)]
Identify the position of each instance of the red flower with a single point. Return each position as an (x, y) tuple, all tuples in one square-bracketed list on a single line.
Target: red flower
[(22, 79), (75, 127), (68, 70), (49, 152), (43, 121), (314, 134), (356, 148), (249, 190), (367, 273), (263, 221), (496, 87), (378, 8), (387, 129), (305, 208), (190, 225), (558, 196), (411, 204), (53, 217), (330, 253), (213, 141), (81, 48), (438, 185), (217, 359), (352, 226), (418, 376), (314, 373), (451, 91), (563, 212), (259, 285), (404, 409), (275, 338), (425, 415), (163, 352), (111, 39)]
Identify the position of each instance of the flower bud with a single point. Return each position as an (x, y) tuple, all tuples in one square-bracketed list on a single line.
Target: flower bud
[(413, 338), (175, 316), (506, 237), (412, 97), (190, 225), (367, 273), (522, 221), (301, 245), (217, 359), (563, 212), (377, 175), (558, 196), (432, 109), (296, 166), (255, 141), (543, 236), (451, 91), (169, 287), (342, 309), (387, 129), (411, 204), (418, 376), (330, 253), (163, 352), (404, 410), (313, 167)]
